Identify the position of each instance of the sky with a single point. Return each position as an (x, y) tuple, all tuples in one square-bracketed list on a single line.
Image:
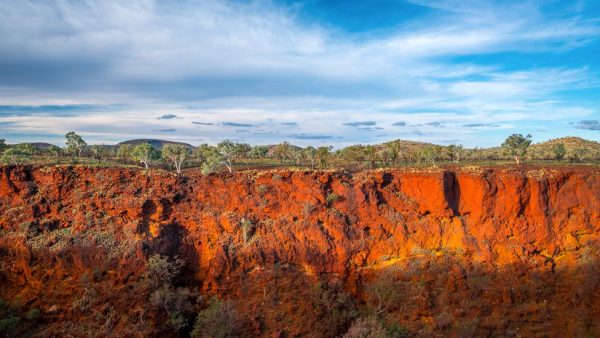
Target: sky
[(311, 72)]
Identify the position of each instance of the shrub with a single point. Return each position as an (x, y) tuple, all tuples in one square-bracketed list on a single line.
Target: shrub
[(385, 292), (161, 271), (33, 314), (331, 197), (9, 324), (219, 319), (334, 306), (367, 328), (175, 302)]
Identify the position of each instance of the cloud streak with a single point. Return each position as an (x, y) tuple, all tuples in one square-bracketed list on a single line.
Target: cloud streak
[(97, 63)]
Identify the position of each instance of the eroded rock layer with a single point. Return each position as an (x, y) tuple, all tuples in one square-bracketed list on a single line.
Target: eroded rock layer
[(477, 252)]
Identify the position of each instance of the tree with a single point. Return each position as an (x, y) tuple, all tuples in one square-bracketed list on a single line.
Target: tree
[(99, 152), (242, 150), (297, 155), (371, 155), (516, 145), (218, 320), (455, 152), (177, 153), (3, 146), (579, 154), (323, 154), (394, 150), (259, 152), (18, 154), (56, 151), (203, 152), (125, 152), (559, 151), (228, 151), (282, 151), (428, 155), (145, 153), (355, 153), (75, 144), (311, 155), (212, 163)]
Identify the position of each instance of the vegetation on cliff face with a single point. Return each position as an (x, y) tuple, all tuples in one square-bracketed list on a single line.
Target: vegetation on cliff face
[(475, 252)]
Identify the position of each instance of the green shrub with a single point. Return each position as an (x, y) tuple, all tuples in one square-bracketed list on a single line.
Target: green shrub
[(332, 197), (32, 314), (218, 320), (176, 302), (9, 324)]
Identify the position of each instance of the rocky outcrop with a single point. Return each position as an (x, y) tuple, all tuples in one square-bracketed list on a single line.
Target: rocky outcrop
[(518, 244)]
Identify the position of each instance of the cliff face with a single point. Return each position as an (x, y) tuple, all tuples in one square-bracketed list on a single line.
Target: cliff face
[(467, 252)]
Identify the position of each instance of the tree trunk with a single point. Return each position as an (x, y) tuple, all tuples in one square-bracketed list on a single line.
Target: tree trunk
[(518, 160)]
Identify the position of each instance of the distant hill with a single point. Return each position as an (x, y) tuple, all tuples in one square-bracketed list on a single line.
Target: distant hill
[(41, 145), (575, 147), (158, 144)]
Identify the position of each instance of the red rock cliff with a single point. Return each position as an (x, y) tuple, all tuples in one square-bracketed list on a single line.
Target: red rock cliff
[(472, 252)]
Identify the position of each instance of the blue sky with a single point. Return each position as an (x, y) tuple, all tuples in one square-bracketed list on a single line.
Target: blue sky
[(310, 72)]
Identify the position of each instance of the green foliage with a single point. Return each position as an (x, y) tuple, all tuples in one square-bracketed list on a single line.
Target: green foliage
[(559, 151), (75, 144), (455, 152), (334, 307), (211, 165), (429, 154), (55, 151), (227, 151), (259, 152), (204, 151), (3, 146), (516, 145), (177, 153), (311, 154), (331, 197), (176, 304), (394, 150), (145, 154), (18, 154), (323, 156), (9, 324), (99, 152), (32, 314), (218, 320), (282, 151), (125, 152)]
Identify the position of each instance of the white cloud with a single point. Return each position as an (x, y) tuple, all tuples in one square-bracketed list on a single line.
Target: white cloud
[(255, 62)]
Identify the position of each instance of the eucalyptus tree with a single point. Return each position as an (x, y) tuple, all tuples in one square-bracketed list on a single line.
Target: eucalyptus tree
[(75, 144), (145, 154), (125, 152), (516, 145), (559, 151), (177, 153)]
